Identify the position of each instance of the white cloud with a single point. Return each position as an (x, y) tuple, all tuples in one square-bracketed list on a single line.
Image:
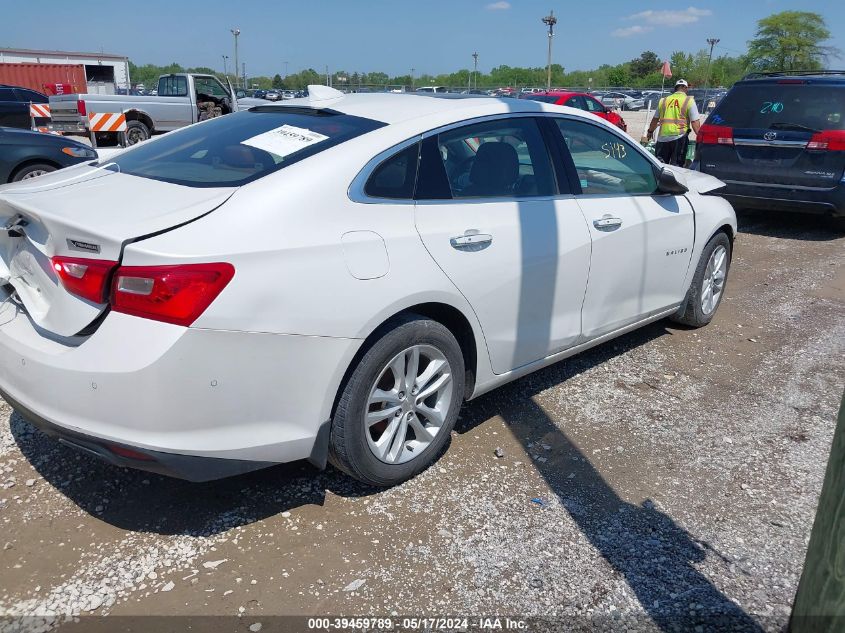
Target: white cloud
[(631, 30), (671, 18), (498, 6)]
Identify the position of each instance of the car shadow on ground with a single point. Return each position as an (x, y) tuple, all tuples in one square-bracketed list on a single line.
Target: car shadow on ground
[(785, 225), (648, 548)]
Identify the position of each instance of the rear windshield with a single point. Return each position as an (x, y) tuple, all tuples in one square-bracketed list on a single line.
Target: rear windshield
[(543, 98), (784, 106), (235, 149)]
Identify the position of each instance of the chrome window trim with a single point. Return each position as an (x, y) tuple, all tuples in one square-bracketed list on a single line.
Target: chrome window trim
[(356, 191), (750, 142)]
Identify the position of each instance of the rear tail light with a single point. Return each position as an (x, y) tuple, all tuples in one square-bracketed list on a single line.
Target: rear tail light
[(80, 107), (176, 294), (832, 140), (715, 135), (85, 278)]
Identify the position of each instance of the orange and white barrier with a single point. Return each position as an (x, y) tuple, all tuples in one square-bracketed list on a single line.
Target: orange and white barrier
[(106, 122), (39, 110)]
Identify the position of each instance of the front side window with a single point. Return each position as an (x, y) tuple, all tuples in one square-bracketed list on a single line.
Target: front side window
[(593, 105), (577, 102), (238, 148), (606, 163), (501, 158), (210, 86), (395, 177)]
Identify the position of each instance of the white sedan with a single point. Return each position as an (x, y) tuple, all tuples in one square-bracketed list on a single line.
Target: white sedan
[(329, 279)]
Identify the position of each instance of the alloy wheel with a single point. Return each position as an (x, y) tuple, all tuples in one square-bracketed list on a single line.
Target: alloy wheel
[(713, 283), (408, 404)]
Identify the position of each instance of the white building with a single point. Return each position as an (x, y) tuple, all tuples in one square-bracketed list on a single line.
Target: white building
[(103, 72)]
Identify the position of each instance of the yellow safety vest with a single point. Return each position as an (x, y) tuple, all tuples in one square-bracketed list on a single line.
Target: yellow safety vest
[(674, 114)]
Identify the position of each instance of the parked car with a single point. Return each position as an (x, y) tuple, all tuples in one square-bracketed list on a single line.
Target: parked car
[(14, 107), (431, 89), (425, 251), (258, 94), (778, 141), (273, 95), (579, 100), (289, 94), (25, 154), (620, 100), (182, 99)]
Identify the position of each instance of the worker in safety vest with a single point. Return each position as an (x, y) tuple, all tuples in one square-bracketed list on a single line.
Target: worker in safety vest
[(675, 115)]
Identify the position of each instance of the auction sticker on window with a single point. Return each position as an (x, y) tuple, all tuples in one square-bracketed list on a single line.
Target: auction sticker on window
[(285, 140)]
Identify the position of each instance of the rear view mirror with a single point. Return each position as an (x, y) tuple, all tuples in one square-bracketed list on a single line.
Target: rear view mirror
[(667, 183)]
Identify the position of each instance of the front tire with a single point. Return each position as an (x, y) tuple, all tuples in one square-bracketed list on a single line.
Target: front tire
[(399, 406), (708, 284), (32, 171)]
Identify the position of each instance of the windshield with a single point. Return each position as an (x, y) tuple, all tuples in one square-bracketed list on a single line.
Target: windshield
[(784, 106), (542, 98), (235, 149)]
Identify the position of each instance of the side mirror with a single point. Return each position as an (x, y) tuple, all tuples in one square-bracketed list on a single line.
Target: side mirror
[(667, 183)]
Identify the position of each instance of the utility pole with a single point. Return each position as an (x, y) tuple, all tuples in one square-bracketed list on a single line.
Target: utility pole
[(328, 82), (550, 20), (243, 73), (236, 32), (225, 71), (712, 41), (412, 79), (475, 71), (286, 70)]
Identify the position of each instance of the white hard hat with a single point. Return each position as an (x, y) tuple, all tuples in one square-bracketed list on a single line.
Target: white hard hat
[(681, 82)]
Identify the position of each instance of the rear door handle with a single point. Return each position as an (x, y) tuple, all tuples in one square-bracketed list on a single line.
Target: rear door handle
[(607, 223), (471, 241)]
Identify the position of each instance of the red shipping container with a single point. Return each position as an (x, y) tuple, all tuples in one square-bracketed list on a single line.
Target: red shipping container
[(34, 76)]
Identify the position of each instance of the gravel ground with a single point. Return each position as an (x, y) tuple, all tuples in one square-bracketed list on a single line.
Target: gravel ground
[(664, 481)]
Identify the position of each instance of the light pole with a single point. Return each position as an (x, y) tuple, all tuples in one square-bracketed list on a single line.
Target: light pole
[(243, 73), (225, 70), (550, 20), (412, 79), (286, 70), (712, 41), (236, 32), (475, 71)]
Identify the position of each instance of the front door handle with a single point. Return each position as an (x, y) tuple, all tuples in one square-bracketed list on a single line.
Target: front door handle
[(607, 223), (472, 241)]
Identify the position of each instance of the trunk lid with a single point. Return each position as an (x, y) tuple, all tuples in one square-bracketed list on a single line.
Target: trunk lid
[(87, 214)]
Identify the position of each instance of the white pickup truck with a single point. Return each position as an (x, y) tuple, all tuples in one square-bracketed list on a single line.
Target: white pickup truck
[(182, 99)]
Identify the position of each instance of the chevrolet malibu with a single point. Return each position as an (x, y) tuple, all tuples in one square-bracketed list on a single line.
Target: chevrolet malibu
[(329, 279)]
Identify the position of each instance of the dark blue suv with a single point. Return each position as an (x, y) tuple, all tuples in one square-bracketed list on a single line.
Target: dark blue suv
[(778, 141)]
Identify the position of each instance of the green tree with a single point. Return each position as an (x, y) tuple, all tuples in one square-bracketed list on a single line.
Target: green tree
[(618, 75), (277, 81), (790, 40), (645, 64)]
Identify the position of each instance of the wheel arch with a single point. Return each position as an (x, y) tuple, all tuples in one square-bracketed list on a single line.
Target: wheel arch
[(32, 161), (143, 117)]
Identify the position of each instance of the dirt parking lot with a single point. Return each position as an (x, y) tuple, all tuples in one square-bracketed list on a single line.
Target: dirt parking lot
[(668, 478)]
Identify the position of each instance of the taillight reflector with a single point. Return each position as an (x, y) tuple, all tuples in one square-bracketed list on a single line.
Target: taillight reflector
[(833, 140), (81, 108), (176, 294), (715, 135), (85, 278)]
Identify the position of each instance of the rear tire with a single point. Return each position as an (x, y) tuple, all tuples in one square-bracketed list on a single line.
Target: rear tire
[(136, 131), (697, 310), (32, 171), (391, 425)]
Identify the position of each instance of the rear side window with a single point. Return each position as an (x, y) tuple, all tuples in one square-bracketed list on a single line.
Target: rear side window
[(799, 107), (173, 87), (235, 149), (395, 177)]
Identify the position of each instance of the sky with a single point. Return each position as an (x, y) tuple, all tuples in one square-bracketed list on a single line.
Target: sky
[(393, 36)]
